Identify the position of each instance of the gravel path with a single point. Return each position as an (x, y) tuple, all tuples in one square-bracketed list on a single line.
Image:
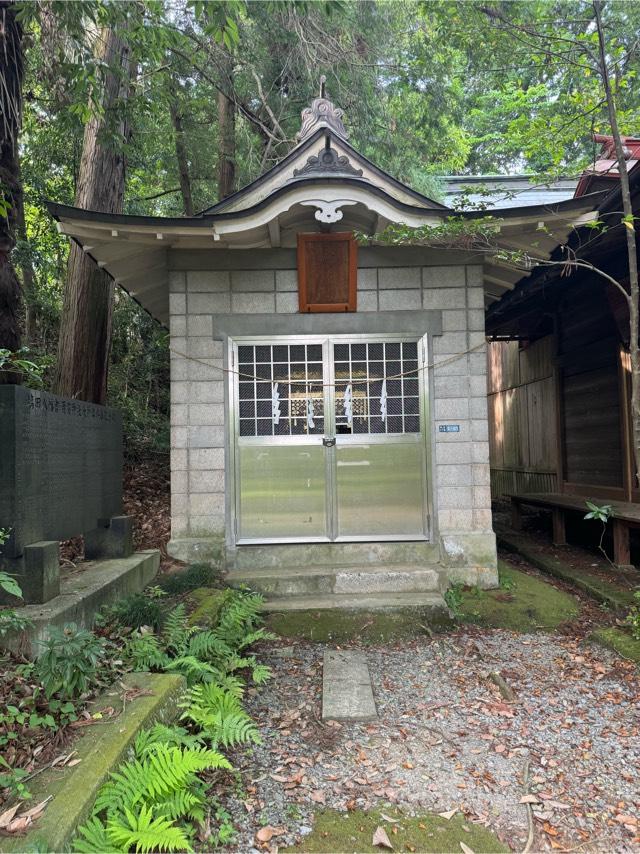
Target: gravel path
[(446, 740)]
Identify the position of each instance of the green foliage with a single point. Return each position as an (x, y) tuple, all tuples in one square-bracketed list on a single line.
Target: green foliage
[(11, 622), (17, 362), (175, 736), (454, 231), (453, 598), (148, 801), (506, 579), (219, 716), (144, 651), (210, 655), (194, 576), (137, 610), (601, 513), (69, 660), (12, 780), (142, 803), (633, 618), (10, 585)]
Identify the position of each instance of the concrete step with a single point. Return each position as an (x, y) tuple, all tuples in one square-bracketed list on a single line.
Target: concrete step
[(432, 604), (332, 554), (360, 579), (81, 597)]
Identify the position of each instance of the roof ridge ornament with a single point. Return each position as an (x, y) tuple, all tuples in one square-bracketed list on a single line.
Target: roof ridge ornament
[(327, 161), (322, 113)]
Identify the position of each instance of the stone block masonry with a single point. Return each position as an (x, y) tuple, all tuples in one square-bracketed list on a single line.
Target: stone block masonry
[(207, 287)]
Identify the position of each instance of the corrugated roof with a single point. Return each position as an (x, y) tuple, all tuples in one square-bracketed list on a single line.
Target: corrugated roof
[(506, 191)]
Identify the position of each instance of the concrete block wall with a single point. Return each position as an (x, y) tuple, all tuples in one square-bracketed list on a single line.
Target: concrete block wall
[(460, 460)]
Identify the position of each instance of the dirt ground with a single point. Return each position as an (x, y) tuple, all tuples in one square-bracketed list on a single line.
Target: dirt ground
[(446, 740)]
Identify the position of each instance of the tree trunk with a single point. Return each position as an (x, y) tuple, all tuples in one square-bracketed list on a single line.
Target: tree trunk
[(28, 274), (227, 134), (181, 149), (11, 73), (627, 207), (85, 325)]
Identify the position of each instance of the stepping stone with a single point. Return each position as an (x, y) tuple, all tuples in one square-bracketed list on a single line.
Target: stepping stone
[(347, 694)]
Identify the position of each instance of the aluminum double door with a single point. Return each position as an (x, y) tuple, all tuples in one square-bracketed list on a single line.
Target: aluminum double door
[(329, 439)]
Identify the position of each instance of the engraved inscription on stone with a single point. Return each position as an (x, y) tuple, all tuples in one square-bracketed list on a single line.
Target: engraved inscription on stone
[(60, 466)]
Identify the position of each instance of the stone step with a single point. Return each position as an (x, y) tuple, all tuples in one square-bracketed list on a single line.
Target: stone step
[(332, 554), (431, 606), (358, 579)]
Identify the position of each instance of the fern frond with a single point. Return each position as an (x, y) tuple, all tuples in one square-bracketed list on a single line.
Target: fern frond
[(145, 652), (146, 833), (254, 637), (193, 669), (94, 839), (175, 736), (156, 776), (207, 645), (260, 673), (233, 685), (177, 631), (219, 715), (182, 804)]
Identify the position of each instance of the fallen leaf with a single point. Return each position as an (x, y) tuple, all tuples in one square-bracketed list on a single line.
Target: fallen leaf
[(73, 762), (265, 834), (448, 815), (18, 825), (466, 849), (529, 799), (623, 819), (36, 811), (389, 819), (381, 839), (7, 815)]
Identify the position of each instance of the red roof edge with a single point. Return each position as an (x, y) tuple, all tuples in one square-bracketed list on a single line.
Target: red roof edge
[(606, 166)]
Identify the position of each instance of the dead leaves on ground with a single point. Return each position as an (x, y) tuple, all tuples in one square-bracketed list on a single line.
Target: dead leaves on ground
[(13, 823), (381, 840)]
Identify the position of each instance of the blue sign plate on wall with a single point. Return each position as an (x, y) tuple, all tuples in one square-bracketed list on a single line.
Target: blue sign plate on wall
[(449, 428)]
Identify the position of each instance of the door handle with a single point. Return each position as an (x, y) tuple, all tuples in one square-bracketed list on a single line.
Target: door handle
[(327, 442)]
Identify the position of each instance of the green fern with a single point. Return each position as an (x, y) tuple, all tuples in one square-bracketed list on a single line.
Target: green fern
[(177, 630), (175, 736), (156, 776), (219, 715), (193, 669), (143, 649), (146, 833), (94, 839)]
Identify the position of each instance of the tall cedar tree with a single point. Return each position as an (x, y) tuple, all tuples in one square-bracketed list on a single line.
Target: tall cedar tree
[(85, 324), (11, 73)]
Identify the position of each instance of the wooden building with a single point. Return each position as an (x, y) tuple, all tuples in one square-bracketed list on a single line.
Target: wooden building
[(558, 373)]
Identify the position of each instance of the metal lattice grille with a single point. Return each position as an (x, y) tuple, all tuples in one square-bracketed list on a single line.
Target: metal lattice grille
[(280, 390), (376, 387)]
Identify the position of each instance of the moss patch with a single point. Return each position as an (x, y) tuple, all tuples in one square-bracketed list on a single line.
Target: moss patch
[(369, 627), (619, 641), (616, 590), (207, 604), (343, 832), (523, 603)]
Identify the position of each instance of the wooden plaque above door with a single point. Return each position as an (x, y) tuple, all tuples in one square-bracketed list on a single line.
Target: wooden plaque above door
[(327, 272)]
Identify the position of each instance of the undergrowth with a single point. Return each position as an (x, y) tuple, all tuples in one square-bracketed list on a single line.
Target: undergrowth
[(194, 576), (156, 799)]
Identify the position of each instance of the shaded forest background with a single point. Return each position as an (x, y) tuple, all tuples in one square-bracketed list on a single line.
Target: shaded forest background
[(188, 101)]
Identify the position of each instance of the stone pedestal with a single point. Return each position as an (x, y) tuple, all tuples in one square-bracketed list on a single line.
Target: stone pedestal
[(112, 538), (37, 572)]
